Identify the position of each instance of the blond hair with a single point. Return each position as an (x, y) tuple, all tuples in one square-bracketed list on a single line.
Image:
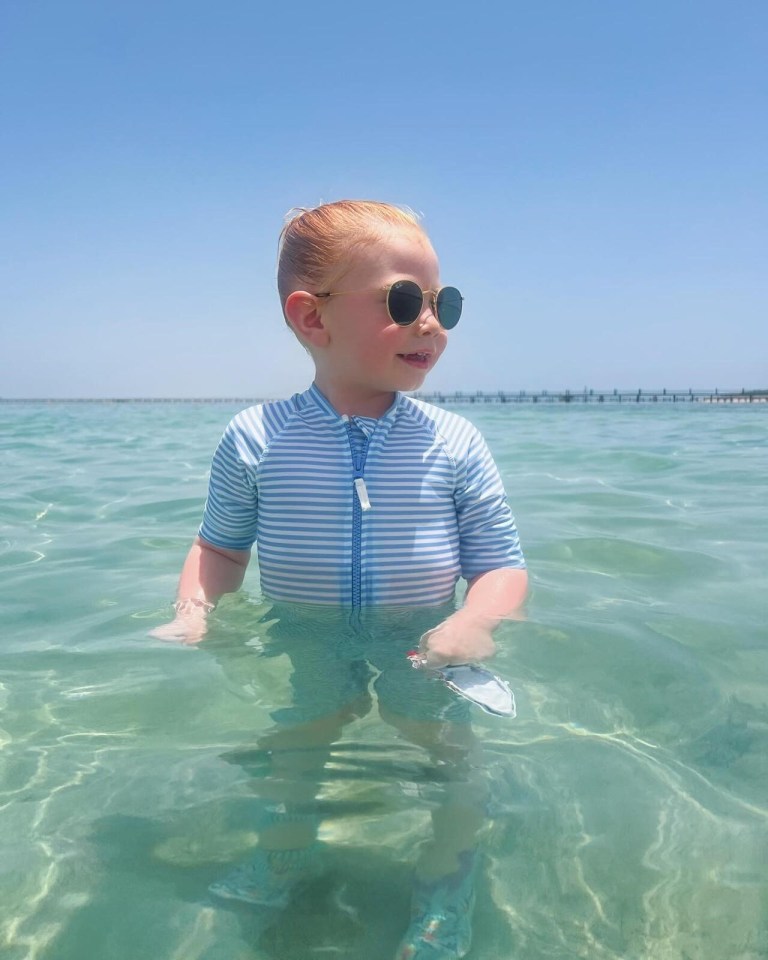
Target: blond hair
[(316, 244)]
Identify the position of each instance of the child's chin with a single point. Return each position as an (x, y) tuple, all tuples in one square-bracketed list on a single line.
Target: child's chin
[(414, 379)]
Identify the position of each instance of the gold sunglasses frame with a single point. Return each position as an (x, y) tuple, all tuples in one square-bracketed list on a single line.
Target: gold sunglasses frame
[(434, 294)]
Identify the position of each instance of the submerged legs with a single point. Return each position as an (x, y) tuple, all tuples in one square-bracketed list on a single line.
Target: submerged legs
[(443, 894)]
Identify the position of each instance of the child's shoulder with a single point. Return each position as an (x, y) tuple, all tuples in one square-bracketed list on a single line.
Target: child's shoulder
[(452, 427), (264, 419), (460, 436)]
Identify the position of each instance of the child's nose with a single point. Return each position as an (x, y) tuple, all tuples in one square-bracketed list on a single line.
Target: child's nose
[(429, 325)]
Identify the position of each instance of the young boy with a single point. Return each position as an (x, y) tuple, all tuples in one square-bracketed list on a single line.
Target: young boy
[(357, 498)]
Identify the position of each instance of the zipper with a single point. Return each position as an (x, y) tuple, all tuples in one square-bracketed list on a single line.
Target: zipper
[(360, 503), (362, 493)]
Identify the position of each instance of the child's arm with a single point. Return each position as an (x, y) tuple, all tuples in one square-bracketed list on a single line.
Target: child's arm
[(467, 635), (488, 539), (208, 572)]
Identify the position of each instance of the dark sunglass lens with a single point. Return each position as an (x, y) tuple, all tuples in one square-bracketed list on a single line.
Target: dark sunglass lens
[(405, 301), (449, 302)]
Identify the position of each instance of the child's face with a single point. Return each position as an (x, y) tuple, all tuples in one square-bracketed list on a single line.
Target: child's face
[(367, 356)]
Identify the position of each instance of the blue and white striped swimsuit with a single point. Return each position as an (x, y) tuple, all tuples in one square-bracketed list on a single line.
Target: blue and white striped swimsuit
[(296, 478)]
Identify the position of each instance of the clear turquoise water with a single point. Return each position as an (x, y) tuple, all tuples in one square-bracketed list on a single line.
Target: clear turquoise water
[(630, 794)]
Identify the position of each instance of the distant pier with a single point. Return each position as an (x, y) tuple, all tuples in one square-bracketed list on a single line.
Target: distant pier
[(596, 396), (461, 398)]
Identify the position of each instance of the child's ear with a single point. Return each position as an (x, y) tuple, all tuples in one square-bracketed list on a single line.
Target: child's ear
[(303, 313)]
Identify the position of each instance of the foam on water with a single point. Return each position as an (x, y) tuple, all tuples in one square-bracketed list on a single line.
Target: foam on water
[(628, 814)]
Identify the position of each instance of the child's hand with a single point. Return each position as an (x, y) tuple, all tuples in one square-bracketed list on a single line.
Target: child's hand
[(189, 627), (461, 638)]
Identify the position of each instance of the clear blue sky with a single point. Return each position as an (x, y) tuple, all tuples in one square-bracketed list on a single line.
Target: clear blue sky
[(593, 173)]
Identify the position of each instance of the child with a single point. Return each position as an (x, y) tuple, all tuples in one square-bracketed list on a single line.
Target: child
[(359, 500)]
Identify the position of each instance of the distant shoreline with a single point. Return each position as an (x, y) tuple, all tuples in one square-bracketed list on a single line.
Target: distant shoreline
[(479, 397)]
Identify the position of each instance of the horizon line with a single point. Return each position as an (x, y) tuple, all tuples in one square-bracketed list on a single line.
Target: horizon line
[(421, 394)]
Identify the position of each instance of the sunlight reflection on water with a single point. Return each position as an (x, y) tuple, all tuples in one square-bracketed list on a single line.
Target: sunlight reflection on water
[(627, 802)]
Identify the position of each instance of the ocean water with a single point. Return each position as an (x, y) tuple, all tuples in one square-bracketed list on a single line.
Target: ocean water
[(629, 798)]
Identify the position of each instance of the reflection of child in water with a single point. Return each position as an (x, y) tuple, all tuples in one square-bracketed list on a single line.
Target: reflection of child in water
[(362, 499)]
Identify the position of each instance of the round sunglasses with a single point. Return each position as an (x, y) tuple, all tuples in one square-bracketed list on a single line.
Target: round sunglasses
[(405, 303)]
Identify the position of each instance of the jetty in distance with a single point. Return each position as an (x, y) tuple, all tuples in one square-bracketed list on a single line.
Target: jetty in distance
[(597, 396), (461, 398)]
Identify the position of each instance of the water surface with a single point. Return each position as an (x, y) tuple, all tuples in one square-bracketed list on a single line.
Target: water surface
[(630, 804)]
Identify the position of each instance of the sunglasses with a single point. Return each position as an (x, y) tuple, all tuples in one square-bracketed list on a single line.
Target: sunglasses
[(405, 303)]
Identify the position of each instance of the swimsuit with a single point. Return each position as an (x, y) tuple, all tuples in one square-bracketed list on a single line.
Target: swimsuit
[(355, 511)]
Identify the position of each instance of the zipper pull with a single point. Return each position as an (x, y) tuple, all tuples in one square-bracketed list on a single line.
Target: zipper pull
[(362, 493)]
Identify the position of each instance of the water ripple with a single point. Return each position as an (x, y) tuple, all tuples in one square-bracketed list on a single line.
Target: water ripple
[(626, 803)]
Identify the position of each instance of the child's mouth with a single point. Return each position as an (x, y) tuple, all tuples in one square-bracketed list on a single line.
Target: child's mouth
[(420, 360)]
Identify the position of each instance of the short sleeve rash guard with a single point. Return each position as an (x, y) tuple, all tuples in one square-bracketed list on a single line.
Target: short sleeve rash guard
[(284, 477)]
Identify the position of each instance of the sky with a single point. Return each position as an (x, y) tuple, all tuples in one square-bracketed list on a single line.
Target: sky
[(592, 173)]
